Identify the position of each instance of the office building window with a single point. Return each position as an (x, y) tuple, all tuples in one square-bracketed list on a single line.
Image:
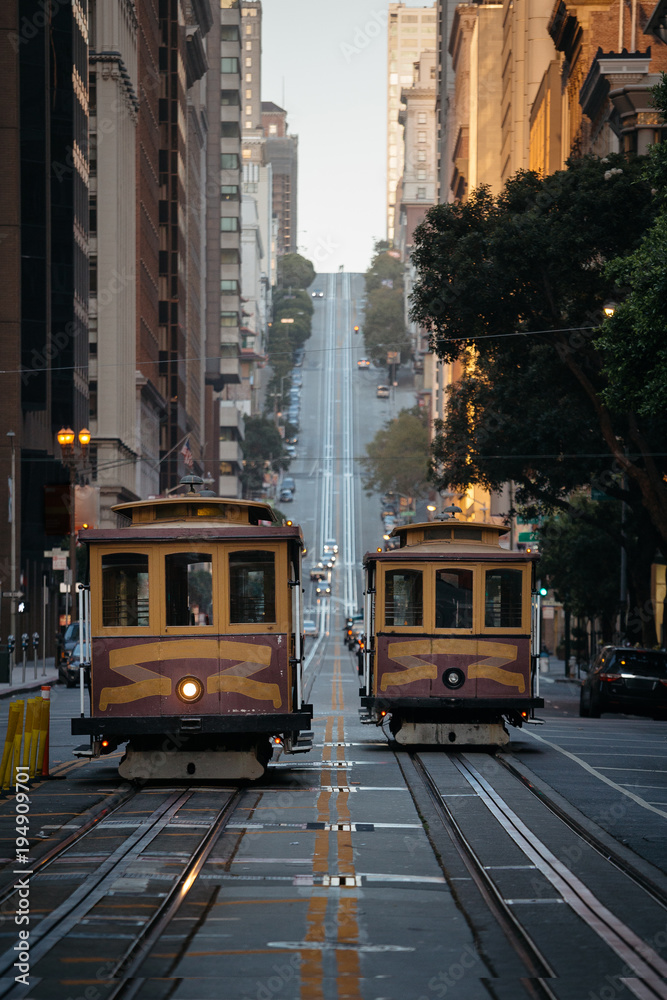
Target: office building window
[(229, 161), (421, 192), (421, 136), (421, 118), (229, 64), (248, 78), (229, 224)]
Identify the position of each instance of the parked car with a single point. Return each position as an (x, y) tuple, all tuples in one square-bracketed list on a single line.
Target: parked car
[(290, 450), (382, 392), (285, 496), (310, 627), (363, 363), (297, 379), (68, 641), (292, 439), (68, 669), (624, 679), (288, 483)]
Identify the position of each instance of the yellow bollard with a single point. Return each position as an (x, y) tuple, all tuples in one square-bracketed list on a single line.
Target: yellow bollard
[(42, 768), (12, 723), (34, 733), (29, 710), (16, 756)]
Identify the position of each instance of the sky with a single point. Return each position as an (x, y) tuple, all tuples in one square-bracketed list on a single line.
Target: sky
[(326, 64)]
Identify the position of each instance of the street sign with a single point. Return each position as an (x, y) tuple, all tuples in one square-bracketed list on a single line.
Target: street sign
[(16, 594), (60, 562)]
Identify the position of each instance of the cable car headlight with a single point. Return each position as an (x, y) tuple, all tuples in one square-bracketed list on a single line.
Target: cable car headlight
[(453, 678), (189, 689)]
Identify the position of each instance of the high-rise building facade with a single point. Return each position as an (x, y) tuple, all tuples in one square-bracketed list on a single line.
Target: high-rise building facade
[(114, 107), (281, 151), (411, 30), (44, 313)]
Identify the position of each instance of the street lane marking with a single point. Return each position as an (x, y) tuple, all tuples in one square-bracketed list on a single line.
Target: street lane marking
[(596, 773)]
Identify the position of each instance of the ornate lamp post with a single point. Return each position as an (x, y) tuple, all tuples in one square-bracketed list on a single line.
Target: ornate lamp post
[(66, 439)]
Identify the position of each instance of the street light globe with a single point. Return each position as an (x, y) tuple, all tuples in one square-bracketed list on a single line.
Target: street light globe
[(65, 437), (84, 437), (431, 507), (609, 308)]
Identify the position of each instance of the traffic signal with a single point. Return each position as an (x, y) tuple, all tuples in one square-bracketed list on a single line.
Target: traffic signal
[(543, 591), (23, 607)]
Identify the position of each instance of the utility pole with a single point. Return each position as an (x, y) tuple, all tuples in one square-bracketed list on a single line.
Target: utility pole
[(12, 521)]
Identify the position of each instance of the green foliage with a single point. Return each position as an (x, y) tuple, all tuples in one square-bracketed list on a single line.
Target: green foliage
[(582, 566), (295, 271), (634, 340), (384, 267), (397, 457), (262, 444), (384, 325), (531, 408)]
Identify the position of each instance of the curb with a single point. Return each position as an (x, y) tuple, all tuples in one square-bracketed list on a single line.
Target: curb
[(28, 686)]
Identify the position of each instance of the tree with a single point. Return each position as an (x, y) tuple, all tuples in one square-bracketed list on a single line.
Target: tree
[(581, 565), (397, 457), (384, 325), (634, 340), (262, 445), (512, 288), (384, 268), (295, 271)]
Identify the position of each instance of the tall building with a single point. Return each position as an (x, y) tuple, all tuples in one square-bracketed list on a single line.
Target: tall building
[(114, 106), (474, 124), (223, 238), (281, 152), (444, 92), (411, 30), (44, 312), (150, 387), (527, 54)]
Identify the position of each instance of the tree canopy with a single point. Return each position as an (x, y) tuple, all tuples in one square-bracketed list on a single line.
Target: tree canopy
[(384, 323), (397, 457), (582, 567), (512, 288), (295, 271), (634, 340), (262, 444)]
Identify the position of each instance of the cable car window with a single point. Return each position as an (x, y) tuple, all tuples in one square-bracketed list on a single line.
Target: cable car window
[(503, 603), (403, 600), (189, 588), (124, 590), (252, 587), (453, 598)]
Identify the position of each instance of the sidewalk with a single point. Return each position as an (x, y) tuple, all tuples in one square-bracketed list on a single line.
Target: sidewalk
[(552, 671), (30, 683)]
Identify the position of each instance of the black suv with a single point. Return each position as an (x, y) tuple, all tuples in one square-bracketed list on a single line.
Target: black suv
[(624, 679)]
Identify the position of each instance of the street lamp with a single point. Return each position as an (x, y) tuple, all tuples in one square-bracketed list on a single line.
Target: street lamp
[(609, 308), (66, 439)]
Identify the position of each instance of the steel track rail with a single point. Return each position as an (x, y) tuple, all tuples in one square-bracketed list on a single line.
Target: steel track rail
[(55, 927), (647, 970), (537, 966), (141, 947), (95, 816), (605, 850)]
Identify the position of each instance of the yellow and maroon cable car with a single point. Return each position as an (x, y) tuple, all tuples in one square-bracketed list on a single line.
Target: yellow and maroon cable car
[(196, 639), (449, 618)]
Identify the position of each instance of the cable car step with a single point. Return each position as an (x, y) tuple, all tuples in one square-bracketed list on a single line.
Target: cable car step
[(533, 722)]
